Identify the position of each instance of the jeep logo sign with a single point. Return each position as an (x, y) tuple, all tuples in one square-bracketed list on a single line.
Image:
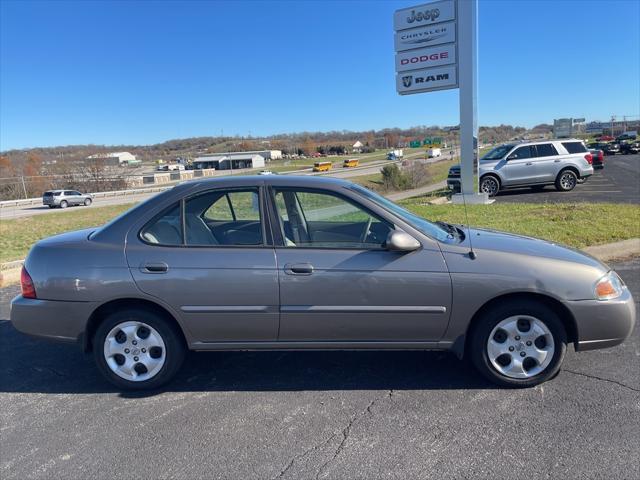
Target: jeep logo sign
[(427, 79), (426, 57), (424, 15)]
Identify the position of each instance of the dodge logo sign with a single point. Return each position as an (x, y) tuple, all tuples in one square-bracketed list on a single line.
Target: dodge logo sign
[(426, 57)]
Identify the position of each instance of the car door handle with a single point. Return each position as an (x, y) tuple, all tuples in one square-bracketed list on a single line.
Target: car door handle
[(298, 268), (557, 160), (529, 163), (159, 267)]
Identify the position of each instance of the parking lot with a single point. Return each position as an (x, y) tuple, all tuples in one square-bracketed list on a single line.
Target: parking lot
[(618, 182), (318, 415)]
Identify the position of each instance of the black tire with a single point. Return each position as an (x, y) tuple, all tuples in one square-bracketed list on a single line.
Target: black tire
[(490, 184), (566, 180), (87, 202), (479, 337), (64, 204), (175, 348)]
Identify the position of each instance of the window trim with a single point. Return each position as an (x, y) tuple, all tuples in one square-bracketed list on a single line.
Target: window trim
[(182, 202), (282, 244)]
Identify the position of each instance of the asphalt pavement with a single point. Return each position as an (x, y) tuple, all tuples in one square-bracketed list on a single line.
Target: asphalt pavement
[(298, 415), (617, 182)]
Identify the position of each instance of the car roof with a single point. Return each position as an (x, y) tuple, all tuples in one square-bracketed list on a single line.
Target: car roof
[(308, 181)]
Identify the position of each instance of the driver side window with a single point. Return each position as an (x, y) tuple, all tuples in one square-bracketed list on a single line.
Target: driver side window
[(316, 219)]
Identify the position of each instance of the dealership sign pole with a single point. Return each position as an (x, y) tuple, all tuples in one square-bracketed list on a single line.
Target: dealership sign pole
[(436, 49)]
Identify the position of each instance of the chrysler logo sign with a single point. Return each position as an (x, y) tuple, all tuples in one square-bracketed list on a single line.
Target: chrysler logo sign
[(426, 35)]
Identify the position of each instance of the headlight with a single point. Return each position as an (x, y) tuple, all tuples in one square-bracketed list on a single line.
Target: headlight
[(608, 287)]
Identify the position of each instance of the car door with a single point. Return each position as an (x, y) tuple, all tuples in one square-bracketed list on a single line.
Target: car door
[(548, 162), (339, 284), (209, 258), (520, 167)]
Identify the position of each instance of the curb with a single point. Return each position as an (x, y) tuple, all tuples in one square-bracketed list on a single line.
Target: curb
[(623, 250)]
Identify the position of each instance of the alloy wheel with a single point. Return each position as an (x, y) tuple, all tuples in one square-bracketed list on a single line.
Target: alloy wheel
[(489, 185)]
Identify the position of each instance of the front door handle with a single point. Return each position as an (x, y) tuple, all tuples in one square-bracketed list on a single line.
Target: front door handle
[(557, 160), (159, 267), (298, 269), (528, 163)]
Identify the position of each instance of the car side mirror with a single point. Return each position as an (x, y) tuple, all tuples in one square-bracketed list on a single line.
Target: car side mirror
[(398, 241), (512, 157)]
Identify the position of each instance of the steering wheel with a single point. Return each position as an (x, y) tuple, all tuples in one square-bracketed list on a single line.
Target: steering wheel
[(366, 231)]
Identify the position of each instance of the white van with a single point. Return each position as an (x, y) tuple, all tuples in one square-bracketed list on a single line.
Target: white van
[(434, 152)]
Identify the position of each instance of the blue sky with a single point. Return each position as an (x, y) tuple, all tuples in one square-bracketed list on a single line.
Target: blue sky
[(136, 73)]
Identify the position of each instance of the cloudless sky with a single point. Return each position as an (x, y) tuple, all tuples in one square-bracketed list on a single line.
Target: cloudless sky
[(116, 72)]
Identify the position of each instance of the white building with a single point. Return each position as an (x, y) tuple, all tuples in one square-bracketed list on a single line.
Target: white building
[(357, 147), (228, 161), (118, 158)]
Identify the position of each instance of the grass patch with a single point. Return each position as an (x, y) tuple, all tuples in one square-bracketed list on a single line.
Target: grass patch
[(18, 235), (578, 225)]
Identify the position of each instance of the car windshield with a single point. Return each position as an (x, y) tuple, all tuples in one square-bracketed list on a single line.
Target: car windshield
[(498, 152), (419, 223)]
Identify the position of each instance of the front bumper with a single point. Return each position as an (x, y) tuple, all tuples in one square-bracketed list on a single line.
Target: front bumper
[(602, 324), (50, 319)]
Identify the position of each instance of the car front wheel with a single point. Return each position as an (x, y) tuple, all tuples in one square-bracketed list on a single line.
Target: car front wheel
[(87, 202), (518, 344), (566, 181), (64, 204), (137, 349), (490, 185)]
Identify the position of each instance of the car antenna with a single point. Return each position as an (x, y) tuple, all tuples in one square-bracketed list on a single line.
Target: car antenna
[(472, 254)]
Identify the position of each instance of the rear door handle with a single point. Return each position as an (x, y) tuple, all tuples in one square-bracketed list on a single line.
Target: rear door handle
[(557, 160), (528, 163), (298, 269), (159, 267)]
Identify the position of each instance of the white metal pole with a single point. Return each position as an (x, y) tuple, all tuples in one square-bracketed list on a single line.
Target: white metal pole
[(467, 80)]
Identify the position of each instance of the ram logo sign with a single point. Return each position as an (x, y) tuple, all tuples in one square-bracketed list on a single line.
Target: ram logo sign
[(427, 79)]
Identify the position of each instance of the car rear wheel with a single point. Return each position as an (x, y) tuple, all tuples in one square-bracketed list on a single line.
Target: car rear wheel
[(566, 181), (490, 185), (64, 204), (137, 349), (518, 344), (87, 202)]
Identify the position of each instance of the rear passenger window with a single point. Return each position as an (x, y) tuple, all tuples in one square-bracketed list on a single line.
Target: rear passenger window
[(166, 229), (574, 147), (546, 150)]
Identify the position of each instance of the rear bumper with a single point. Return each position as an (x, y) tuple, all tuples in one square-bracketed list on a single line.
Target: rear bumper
[(602, 324), (53, 320)]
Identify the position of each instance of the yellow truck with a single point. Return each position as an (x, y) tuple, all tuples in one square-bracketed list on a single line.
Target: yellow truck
[(352, 162), (322, 166)]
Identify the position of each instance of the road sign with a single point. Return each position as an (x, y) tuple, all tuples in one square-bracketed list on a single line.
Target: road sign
[(425, 44)]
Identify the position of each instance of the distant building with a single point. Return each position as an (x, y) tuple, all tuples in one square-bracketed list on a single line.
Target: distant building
[(266, 154), (567, 127), (114, 158), (357, 147), (229, 161)]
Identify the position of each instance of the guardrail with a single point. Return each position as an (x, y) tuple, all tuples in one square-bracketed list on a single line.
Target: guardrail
[(115, 193)]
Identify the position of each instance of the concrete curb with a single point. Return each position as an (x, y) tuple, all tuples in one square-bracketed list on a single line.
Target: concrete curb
[(625, 249)]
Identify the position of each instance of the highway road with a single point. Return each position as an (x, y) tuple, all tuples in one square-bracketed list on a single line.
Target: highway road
[(12, 212)]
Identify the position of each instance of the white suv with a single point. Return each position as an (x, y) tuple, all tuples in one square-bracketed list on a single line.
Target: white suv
[(563, 163)]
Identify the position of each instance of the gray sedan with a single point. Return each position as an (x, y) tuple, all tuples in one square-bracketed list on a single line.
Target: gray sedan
[(282, 262)]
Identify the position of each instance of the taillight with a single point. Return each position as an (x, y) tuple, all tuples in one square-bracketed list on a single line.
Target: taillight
[(589, 158), (28, 290)]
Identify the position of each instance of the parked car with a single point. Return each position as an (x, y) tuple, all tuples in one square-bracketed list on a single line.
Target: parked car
[(170, 167), (610, 148), (597, 156), (66, 198), (286, 262), (630, 148), (563, 163)]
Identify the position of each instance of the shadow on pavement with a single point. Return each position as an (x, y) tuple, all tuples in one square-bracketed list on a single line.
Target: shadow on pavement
[(35, 366)]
